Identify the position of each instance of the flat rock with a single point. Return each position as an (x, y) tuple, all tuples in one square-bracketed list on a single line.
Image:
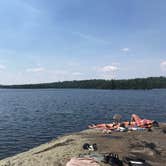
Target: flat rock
[(150, 146)]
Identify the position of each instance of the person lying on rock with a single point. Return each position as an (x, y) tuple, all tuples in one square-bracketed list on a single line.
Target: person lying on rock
[(136, 121), (109, 126), (144, 123)]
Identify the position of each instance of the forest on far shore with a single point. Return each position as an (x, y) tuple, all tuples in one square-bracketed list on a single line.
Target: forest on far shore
[(137, 83)]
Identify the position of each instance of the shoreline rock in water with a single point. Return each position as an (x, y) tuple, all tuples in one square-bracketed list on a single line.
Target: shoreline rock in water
[(148, 145)]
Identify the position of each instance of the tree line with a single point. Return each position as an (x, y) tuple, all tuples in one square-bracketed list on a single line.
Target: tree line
[(137, 83)]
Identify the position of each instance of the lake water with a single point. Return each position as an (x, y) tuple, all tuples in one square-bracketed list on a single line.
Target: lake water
[(29, 118)]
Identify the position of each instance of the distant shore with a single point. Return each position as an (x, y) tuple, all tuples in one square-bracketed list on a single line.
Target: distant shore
[(137, 83), (148, 145)]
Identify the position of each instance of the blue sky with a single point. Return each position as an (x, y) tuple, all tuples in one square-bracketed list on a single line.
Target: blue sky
[(56, 40)]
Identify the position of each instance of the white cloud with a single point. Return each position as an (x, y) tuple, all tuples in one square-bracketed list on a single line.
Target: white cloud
[(2, 67), (126, 49), (115, 63), (29, 8), (77, 74), (58, 72), (35, 70), (163, 65), (73, 64), (91, 38), (108, 69)]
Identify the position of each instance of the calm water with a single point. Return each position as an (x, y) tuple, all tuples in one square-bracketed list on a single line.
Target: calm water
[(31, 117)]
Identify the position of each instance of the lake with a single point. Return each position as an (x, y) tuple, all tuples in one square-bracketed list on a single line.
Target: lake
[(29, 117)]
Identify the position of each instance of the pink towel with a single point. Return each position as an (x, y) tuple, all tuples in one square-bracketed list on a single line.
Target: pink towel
[(82, 162)]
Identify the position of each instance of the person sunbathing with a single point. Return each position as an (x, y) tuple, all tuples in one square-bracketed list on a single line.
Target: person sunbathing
[(144, 123), (136, 121), (108, 126), (127, 124)]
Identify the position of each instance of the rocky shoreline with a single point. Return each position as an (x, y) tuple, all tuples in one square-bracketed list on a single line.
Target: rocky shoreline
[(148, 145)]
